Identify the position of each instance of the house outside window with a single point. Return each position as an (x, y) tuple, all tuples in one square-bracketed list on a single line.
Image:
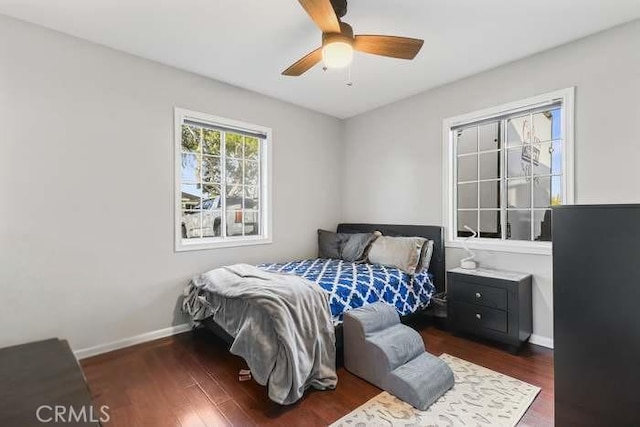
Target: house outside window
[(506, 167), (222, 195)]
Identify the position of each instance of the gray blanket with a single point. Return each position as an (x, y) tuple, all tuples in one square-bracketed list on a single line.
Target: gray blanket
[(281, 324)]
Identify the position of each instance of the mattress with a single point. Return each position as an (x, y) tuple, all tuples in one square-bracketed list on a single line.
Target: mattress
[(350, 285)]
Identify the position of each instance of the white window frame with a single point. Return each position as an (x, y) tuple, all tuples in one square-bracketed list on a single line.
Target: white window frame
[(180, 114), (567, 98)]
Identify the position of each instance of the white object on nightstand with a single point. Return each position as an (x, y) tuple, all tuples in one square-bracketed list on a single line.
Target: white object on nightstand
[(469, 263)]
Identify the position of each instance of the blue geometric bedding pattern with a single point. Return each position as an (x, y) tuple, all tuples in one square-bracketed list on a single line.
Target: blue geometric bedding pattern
[(352, 285)]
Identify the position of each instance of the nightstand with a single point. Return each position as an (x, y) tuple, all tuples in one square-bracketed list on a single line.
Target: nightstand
[(490, 304)]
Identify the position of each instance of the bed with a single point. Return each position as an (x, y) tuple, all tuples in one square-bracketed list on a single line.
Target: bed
[(409, 295), (286, 317), (351, 285)]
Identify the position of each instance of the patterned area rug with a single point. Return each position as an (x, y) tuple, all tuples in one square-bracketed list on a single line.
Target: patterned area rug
[(480, 397)]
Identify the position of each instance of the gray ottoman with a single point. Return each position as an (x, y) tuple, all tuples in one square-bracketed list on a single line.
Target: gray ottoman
[(391, 356)]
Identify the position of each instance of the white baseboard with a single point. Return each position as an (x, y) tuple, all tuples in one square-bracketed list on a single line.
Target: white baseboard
[(542, 341), (178, 329), (127, 342)]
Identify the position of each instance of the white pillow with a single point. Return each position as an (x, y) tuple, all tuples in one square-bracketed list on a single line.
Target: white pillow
[(399, 252)]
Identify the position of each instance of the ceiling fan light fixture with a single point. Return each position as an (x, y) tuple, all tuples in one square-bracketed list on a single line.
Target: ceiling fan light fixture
[(339, 42), (338, 54)]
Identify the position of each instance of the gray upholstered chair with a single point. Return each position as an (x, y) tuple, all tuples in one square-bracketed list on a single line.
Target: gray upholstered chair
[(386, 353)]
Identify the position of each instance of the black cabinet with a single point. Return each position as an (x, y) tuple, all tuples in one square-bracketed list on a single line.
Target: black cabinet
[(42, 383), (490, 304), (596, 299)]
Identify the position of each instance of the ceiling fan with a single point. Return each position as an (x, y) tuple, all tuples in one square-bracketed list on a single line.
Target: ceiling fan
[(338, 41)]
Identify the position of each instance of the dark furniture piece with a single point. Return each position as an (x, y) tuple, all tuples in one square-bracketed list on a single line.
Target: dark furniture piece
[(436, 267), (42, 373), (596, 299), (491, 304)]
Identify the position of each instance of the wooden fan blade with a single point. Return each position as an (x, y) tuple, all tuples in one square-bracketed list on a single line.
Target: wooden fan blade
[(304, 64), (322, 13), (394, 47)]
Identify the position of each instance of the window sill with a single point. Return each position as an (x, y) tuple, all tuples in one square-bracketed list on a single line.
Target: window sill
[(219, 244), (532, 248)]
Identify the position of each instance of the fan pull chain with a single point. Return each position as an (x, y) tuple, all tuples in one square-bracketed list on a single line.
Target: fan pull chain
[(348, 80)]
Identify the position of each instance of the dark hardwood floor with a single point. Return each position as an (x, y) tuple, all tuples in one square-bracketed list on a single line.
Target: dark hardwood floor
[(192, 380)]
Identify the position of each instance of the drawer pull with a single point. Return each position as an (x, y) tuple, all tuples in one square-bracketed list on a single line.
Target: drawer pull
[(478, 316), (478, 295)]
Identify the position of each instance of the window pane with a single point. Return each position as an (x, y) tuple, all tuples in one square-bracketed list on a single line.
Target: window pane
[(490, 165), (519, 193), (468, 168), (547, 158), (519, 225), (211, 196), (191, 224), (489, 136), (190, 196), (211, 142), (490, 195), (234, 197), (251, 148), (210, 169), (234, 222), (518, 130), (233, 145), (251, 223), (190, 139), (542, 192), (211, 221), (513, 198), (546, 125), (490, 224), (251, 173), (467, 140), (557, 191), (234, 171), (221, 182), (468, 195), (190, 168), (542, 225), (468, 218), (556, 128), (251, 198), (547, 191), (518, 163)]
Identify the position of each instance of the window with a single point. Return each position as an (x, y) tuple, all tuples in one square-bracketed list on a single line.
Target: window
[(507, 167), (222, 182)]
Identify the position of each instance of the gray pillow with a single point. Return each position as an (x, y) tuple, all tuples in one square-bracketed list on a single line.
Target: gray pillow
[(355, 246), (351, 247), (329, 244), (426, 252), (399, 252)]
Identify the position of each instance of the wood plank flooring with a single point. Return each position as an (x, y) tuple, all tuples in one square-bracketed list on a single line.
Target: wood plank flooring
[(192, 380)]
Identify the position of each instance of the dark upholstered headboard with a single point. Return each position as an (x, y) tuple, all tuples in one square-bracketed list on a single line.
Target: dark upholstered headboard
[(431, 232)]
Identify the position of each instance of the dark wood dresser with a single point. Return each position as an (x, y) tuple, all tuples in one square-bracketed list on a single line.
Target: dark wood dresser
[(490, 304), (46, 375), (596, 306)]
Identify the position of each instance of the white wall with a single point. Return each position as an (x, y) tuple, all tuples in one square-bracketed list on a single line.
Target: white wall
[(86, 190), (86, 138), (393, 155)]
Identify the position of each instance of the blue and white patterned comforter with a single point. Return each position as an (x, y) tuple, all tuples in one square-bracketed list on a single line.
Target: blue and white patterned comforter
[(352, 285)]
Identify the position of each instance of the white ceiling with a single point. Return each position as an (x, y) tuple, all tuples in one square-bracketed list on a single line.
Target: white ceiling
[(249, 42)]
